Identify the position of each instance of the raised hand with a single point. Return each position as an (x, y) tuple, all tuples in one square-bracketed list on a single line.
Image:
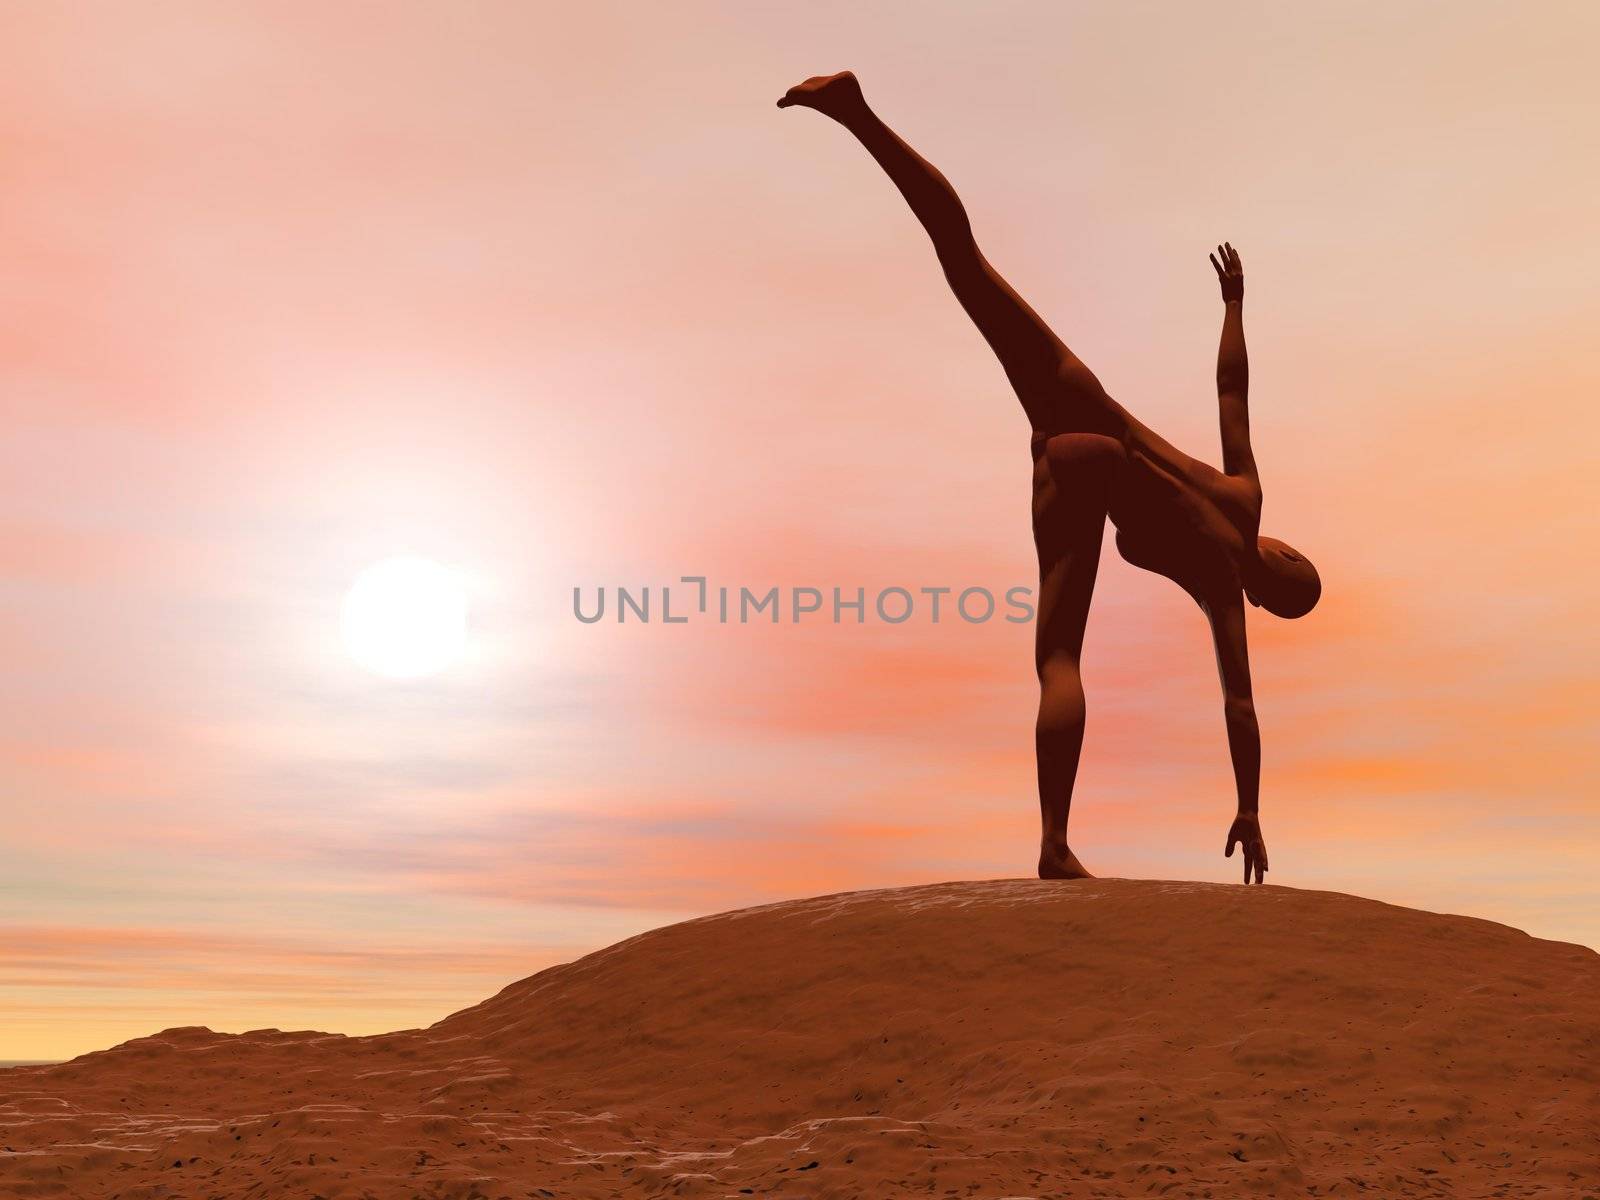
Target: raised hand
[(1246, 832), (1230, 271), (835, 95)]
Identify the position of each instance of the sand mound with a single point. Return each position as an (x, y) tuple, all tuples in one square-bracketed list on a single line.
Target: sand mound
[(1097, 1039)]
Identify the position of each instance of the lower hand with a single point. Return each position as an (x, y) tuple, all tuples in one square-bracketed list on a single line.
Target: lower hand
[(1246, 833)]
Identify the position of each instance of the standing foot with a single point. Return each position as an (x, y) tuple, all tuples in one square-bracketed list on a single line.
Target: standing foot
[(834, 95), (1059, 862)]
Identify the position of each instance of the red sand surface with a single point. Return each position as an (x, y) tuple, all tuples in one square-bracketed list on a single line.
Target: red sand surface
[(1015, 1038)]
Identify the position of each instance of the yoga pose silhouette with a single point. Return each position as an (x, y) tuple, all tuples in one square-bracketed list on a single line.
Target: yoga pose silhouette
[(1175, 516)]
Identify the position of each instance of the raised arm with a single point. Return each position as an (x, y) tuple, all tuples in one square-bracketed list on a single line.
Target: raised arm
[(1244, 735), (1233, 368)]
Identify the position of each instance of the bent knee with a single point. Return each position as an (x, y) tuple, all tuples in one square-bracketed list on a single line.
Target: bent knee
[(1061, 700)]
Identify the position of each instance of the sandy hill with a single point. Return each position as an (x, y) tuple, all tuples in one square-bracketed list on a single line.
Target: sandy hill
[(1101, 1038)]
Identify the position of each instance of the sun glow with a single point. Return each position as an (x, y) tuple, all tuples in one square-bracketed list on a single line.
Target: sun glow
[(405, 618)]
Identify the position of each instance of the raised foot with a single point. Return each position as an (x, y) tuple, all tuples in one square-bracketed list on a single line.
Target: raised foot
[(829, 94), (1061, 864)]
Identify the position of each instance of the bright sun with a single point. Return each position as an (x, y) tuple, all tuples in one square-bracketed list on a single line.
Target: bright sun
[(405, 618)]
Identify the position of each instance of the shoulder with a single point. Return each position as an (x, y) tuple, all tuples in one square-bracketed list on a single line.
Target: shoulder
[(1241, 495), (1249, 483)]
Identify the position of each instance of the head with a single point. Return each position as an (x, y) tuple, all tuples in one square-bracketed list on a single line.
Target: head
[(1282, 580)]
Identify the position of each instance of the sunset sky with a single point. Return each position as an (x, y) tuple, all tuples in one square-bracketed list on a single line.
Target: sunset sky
[(554, 296)]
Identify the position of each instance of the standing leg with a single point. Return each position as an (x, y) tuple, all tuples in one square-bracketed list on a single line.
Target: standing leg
[(1071, 496), (1057, 391)]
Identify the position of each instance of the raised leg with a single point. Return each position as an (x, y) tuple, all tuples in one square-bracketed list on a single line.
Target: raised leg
[(1057, 391), (1072, 494)]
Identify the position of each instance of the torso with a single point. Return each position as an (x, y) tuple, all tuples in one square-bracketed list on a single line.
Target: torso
[(1175, 516)]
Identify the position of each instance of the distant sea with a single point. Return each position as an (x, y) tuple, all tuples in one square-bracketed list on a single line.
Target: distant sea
[(27, 1062)]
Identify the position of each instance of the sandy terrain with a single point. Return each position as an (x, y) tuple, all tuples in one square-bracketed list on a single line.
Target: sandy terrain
[(1096, 1039)]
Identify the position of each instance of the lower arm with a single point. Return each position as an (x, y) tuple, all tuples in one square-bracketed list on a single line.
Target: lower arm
[(1233, 365), (1244, 746)]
